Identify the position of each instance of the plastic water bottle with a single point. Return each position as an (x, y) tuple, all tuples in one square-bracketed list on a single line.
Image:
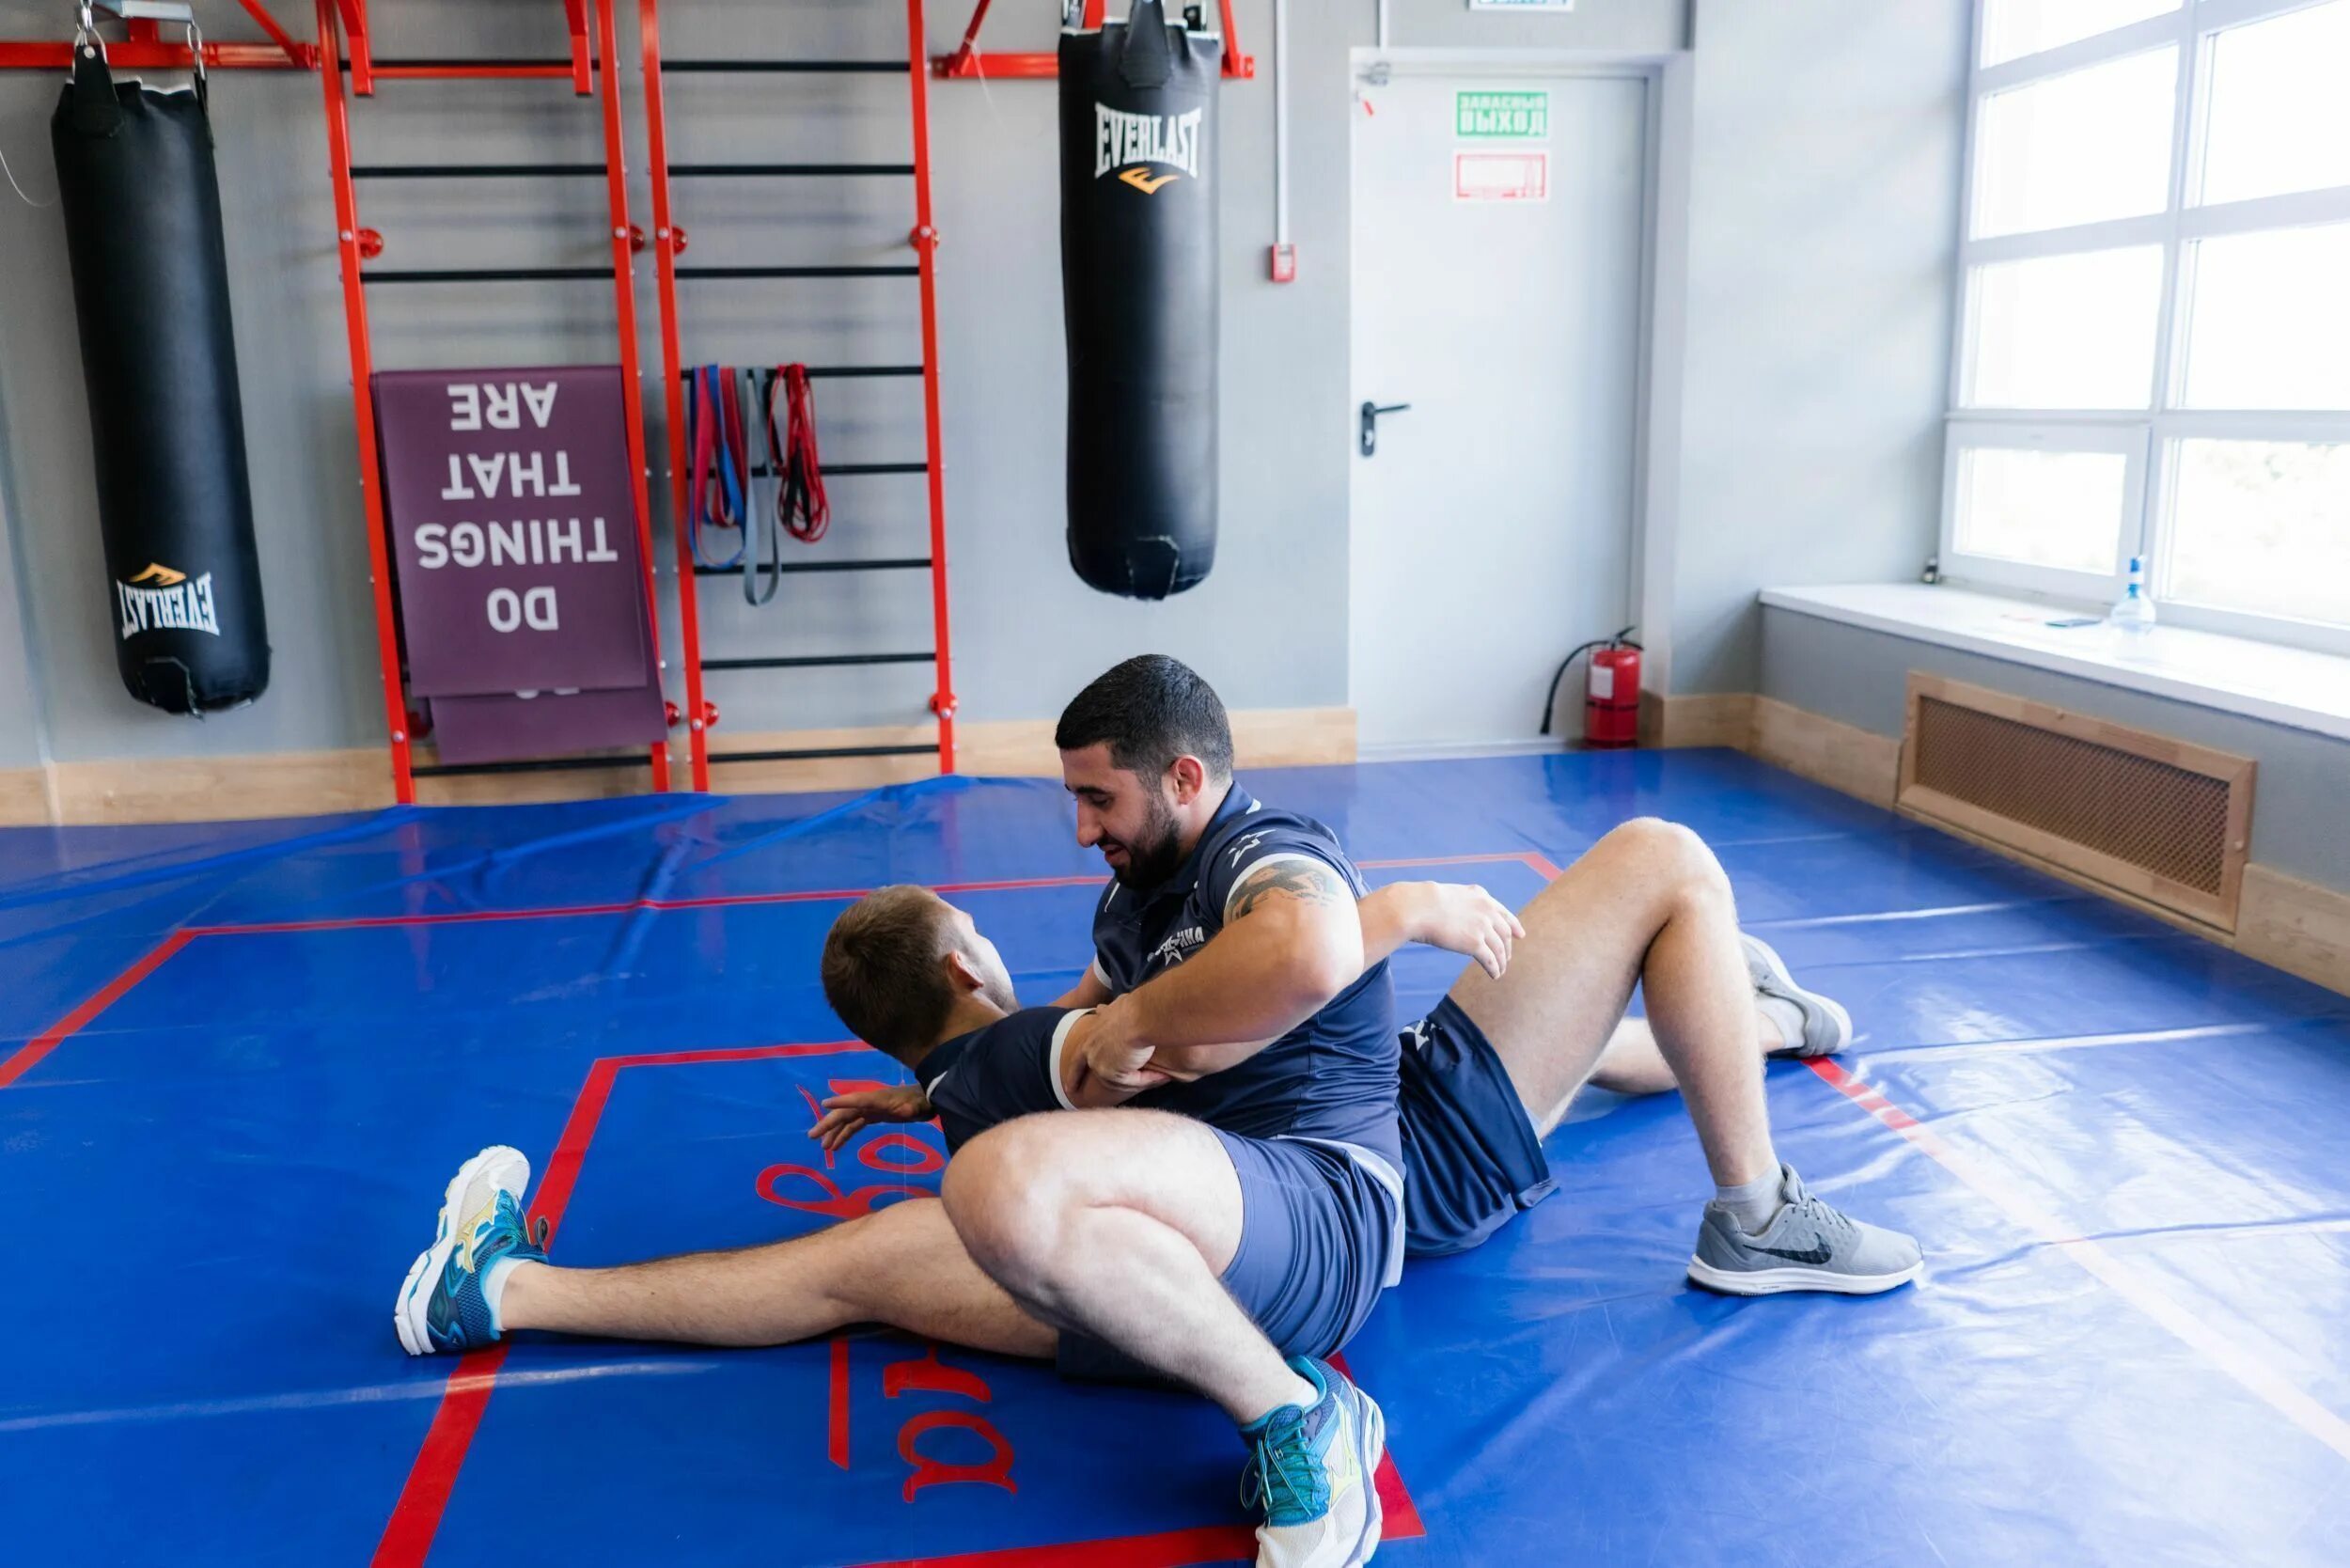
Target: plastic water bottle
[(2134, 612)]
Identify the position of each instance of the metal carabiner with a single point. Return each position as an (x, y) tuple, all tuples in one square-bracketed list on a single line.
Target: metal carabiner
[(85, 34)]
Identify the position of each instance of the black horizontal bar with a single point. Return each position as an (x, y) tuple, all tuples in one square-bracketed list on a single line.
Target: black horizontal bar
[(892, 68), (821, 661), (778, 171), (848, 373), (475, 171), (798, 271), (544, 765), (838, 470), (489, 275), (467, 62), (819, 754), (908, 563)]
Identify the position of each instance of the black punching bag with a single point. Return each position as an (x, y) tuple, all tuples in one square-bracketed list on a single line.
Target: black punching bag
[(150, 285), (1138, 283)]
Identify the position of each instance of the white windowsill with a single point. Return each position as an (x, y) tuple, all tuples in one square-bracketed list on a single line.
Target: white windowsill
[(2284, 685)]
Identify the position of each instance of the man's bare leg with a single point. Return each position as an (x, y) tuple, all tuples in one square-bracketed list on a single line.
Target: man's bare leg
[(1632, 1064), (902, 1266), (1648, 903), (1121, 1224)]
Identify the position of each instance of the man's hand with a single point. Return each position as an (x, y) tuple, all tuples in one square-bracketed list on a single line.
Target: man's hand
[(1108, 1064), (847, 1115), (1467, 920)]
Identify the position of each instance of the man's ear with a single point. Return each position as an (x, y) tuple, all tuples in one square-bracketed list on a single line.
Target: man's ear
[(1191, 777), (961, 975)]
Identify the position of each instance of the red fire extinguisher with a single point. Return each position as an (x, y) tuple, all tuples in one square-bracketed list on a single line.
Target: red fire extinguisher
[(1611, 692), (1611, 701)]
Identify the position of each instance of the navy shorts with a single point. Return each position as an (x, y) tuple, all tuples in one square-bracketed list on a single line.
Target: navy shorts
[(1471, 1158), (1320, 1233)]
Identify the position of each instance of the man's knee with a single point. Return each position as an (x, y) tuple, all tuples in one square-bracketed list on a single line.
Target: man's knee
[(1673, 855), (1007, 1191)]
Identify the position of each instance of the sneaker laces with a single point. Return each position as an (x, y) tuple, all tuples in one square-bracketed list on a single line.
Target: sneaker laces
[(1283, 1472)]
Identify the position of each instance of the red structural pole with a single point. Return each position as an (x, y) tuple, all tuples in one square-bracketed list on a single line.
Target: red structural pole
[(363, 404), (666, 244), (631, 373), (926, 252)]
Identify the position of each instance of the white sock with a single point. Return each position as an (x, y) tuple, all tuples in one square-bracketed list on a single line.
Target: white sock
[(1785, 1016), (493, 1277), (1753, 1204)]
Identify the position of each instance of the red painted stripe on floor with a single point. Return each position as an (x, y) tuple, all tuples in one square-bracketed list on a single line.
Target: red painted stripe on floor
[(416, 1517), (1167, 1549), (2224, 1345), (28, 1054), (726, 901), (837, 1422)]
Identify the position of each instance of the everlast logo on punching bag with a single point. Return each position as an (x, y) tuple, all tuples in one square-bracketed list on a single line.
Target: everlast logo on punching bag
[(175, 603), (1121, 139)]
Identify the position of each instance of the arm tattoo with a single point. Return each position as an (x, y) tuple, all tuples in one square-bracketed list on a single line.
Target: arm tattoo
[(1310, 881)]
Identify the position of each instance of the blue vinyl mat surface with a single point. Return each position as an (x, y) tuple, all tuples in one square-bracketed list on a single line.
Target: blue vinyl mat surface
[(239, 1062)]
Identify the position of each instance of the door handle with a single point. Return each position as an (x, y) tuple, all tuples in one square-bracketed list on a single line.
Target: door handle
[(1371, 423)]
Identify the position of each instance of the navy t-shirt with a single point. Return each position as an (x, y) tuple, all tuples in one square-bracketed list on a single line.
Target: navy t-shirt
[(1333, 1077), (995, 1072)]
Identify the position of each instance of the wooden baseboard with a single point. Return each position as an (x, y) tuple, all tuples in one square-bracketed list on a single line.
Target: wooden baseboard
[(1700, 718), (296, 784), (2296, 926), (219, 789), (24, 797), (1828, 751), (1262, 738)]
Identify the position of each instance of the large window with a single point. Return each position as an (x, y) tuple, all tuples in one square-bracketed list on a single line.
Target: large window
[(2153, 353)]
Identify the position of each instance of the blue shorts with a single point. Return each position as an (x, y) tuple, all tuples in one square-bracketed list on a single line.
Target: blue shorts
[(1471, 1158), (1320, 1237)]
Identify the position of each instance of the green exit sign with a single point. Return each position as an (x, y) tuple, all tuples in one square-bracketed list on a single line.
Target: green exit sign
[(1502, 115)]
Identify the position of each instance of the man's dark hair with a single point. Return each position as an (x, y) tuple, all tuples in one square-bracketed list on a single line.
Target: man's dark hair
[(1150, 710), (881, 973)]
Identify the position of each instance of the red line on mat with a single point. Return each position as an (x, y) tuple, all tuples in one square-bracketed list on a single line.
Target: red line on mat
[(424, 1497), (837, 1425), (416, 1517), (724, 901), (112, 992)]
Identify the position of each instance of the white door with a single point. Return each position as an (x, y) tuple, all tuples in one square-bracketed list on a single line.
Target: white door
[(1499, 257)]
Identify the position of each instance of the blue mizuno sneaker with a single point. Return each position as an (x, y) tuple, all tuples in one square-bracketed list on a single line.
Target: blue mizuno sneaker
[(1313, 1472), (441, 1306)]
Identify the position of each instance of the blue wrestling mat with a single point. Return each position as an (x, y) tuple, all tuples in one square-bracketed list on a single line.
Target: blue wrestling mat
[(238, 1064)]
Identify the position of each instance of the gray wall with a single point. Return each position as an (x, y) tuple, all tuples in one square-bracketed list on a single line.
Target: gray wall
[(1860, 677), (1822, 233), (1824, 192)]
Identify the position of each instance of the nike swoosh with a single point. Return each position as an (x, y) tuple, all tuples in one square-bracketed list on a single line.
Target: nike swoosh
[(1819, 1254), (1140, 177)]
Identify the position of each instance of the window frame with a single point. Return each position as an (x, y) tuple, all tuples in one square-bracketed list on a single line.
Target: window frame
[(2162, 422), (2127, 441)]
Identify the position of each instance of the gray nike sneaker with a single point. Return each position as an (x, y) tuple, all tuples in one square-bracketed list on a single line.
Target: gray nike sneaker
[(1807, 1247), (1826, 1026)]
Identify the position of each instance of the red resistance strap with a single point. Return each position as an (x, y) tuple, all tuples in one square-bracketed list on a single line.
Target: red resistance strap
[(801, 505)]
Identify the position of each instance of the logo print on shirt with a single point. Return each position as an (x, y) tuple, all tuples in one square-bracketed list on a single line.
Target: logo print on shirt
[(1176, 947), (1242, 846)]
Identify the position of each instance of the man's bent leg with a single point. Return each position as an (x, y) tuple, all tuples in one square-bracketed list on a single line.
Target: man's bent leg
[(902, 1266), (1648, 903), (1119, 1224)]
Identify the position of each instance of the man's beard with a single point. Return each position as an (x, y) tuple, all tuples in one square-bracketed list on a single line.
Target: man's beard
[(1152, 859)]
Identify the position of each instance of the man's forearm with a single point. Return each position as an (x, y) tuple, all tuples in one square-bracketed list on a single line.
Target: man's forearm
[(1255, 981)]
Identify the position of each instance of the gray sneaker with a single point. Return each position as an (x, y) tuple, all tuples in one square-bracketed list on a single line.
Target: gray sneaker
[(1826, 1026), (1807, 1247)]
